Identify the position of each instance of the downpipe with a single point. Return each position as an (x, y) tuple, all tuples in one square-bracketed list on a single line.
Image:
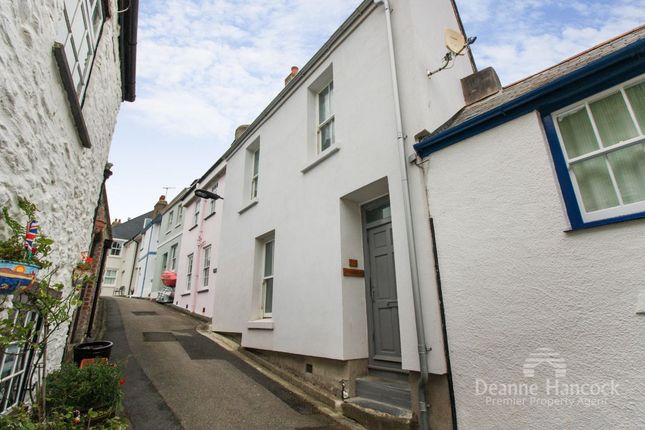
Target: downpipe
[(422, 346)]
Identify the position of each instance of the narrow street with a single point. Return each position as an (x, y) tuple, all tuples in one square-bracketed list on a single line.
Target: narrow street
[(179, 379)]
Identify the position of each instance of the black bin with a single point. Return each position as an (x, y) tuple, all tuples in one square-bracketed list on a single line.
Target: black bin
[(99, 348)]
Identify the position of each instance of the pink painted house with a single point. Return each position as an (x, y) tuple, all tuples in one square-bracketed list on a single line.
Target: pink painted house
[(199, 250)]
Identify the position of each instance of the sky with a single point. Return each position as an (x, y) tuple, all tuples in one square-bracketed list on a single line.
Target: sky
[(206, 66)]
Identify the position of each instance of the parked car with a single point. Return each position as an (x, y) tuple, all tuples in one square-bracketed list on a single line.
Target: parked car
[(166, 295)]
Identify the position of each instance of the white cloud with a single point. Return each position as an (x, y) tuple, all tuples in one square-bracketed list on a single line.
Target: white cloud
[(216, 63), (522, 37)]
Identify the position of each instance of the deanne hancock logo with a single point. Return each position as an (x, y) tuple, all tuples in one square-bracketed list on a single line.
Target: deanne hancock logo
[(540, 389), (545, 356)]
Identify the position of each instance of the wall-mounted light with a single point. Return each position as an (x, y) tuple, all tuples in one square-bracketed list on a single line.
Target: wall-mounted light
[(205, 194)]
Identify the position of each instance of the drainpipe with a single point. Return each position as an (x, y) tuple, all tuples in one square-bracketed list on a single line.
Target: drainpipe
[(145, 268), (409, 227), (134, 266)]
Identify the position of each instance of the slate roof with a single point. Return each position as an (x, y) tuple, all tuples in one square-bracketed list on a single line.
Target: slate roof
[(534, 82), (129, 229)]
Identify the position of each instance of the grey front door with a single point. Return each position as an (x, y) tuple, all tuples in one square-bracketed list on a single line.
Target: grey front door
[(382, 302)]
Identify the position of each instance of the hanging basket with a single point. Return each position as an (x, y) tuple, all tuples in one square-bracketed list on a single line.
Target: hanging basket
[(169, 279), (14, 275)]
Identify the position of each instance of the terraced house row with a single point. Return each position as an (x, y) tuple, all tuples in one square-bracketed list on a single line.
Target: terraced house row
[(405, 241)]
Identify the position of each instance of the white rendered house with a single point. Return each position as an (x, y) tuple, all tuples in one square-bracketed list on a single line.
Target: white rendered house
[(537, 195), (317, 267), (197, 273), (115, 276)]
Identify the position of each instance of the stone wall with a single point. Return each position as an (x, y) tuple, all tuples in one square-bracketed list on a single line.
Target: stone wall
[(42, 157)]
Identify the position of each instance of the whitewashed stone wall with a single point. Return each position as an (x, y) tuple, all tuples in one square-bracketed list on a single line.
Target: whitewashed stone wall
[(41, 156)]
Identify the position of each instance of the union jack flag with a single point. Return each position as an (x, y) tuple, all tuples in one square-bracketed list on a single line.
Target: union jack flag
[(30, 236)]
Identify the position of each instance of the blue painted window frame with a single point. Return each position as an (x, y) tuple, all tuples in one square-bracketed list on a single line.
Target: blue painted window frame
[(574, 211)]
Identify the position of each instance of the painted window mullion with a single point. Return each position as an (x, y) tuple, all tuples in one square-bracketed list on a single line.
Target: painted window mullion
[(630, 109), (604, 151), (614, 181), (594, 126)]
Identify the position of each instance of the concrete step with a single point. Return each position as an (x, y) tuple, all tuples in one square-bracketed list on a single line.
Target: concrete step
[(376, 415), (388, 391)]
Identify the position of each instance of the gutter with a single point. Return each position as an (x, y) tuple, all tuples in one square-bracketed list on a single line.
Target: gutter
[(422, 346), (129, 22), (616, 67)]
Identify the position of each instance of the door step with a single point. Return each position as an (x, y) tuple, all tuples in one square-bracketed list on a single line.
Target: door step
[(388, 391)]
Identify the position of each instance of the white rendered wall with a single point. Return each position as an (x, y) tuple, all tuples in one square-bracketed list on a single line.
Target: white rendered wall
[(41, 157), (129, 270), (115, 263), (514, 280), (169, 235), (316, 311), (146, 262)]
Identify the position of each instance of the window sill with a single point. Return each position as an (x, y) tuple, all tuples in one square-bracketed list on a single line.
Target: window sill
[(210, 216), (263, 324), (74, 104), (591, 224), (185, 294), (320, 158), (203, 290), (193, 228), (248, 206)]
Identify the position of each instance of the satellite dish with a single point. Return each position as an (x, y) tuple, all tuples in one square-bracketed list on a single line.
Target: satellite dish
[(455, 41)]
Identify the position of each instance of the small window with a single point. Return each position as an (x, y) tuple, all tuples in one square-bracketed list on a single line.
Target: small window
[(173, 258), (255, 174), (207, 266), (164, 262), (171, 215), (267, 279), (198, 203), (116, 248), (603, 144), (110, 277), (79, 34), (213, 202), (180, 214), (325, 118), (189, 271)]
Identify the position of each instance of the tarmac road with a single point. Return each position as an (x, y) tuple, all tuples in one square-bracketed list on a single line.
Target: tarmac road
[(179, 379)]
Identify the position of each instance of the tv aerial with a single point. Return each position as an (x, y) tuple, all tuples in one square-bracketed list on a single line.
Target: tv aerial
[(456, 44)]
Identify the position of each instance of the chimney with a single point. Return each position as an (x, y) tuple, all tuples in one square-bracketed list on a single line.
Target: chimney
[(116, 222), (160, 206), (294, 72), (480, 85), (240, 130)]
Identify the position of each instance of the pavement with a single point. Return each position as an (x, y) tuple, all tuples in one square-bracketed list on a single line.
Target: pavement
[(179, 379)]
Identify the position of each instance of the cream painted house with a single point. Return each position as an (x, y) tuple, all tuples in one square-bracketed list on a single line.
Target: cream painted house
[(318, 270), (537, 195), (66, 68), (197, 273), (116, 276)]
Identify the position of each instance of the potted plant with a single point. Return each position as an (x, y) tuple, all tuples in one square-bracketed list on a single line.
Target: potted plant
[(23, 253)]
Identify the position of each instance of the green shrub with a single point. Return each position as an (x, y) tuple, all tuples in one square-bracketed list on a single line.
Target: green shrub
[(95, 387)]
